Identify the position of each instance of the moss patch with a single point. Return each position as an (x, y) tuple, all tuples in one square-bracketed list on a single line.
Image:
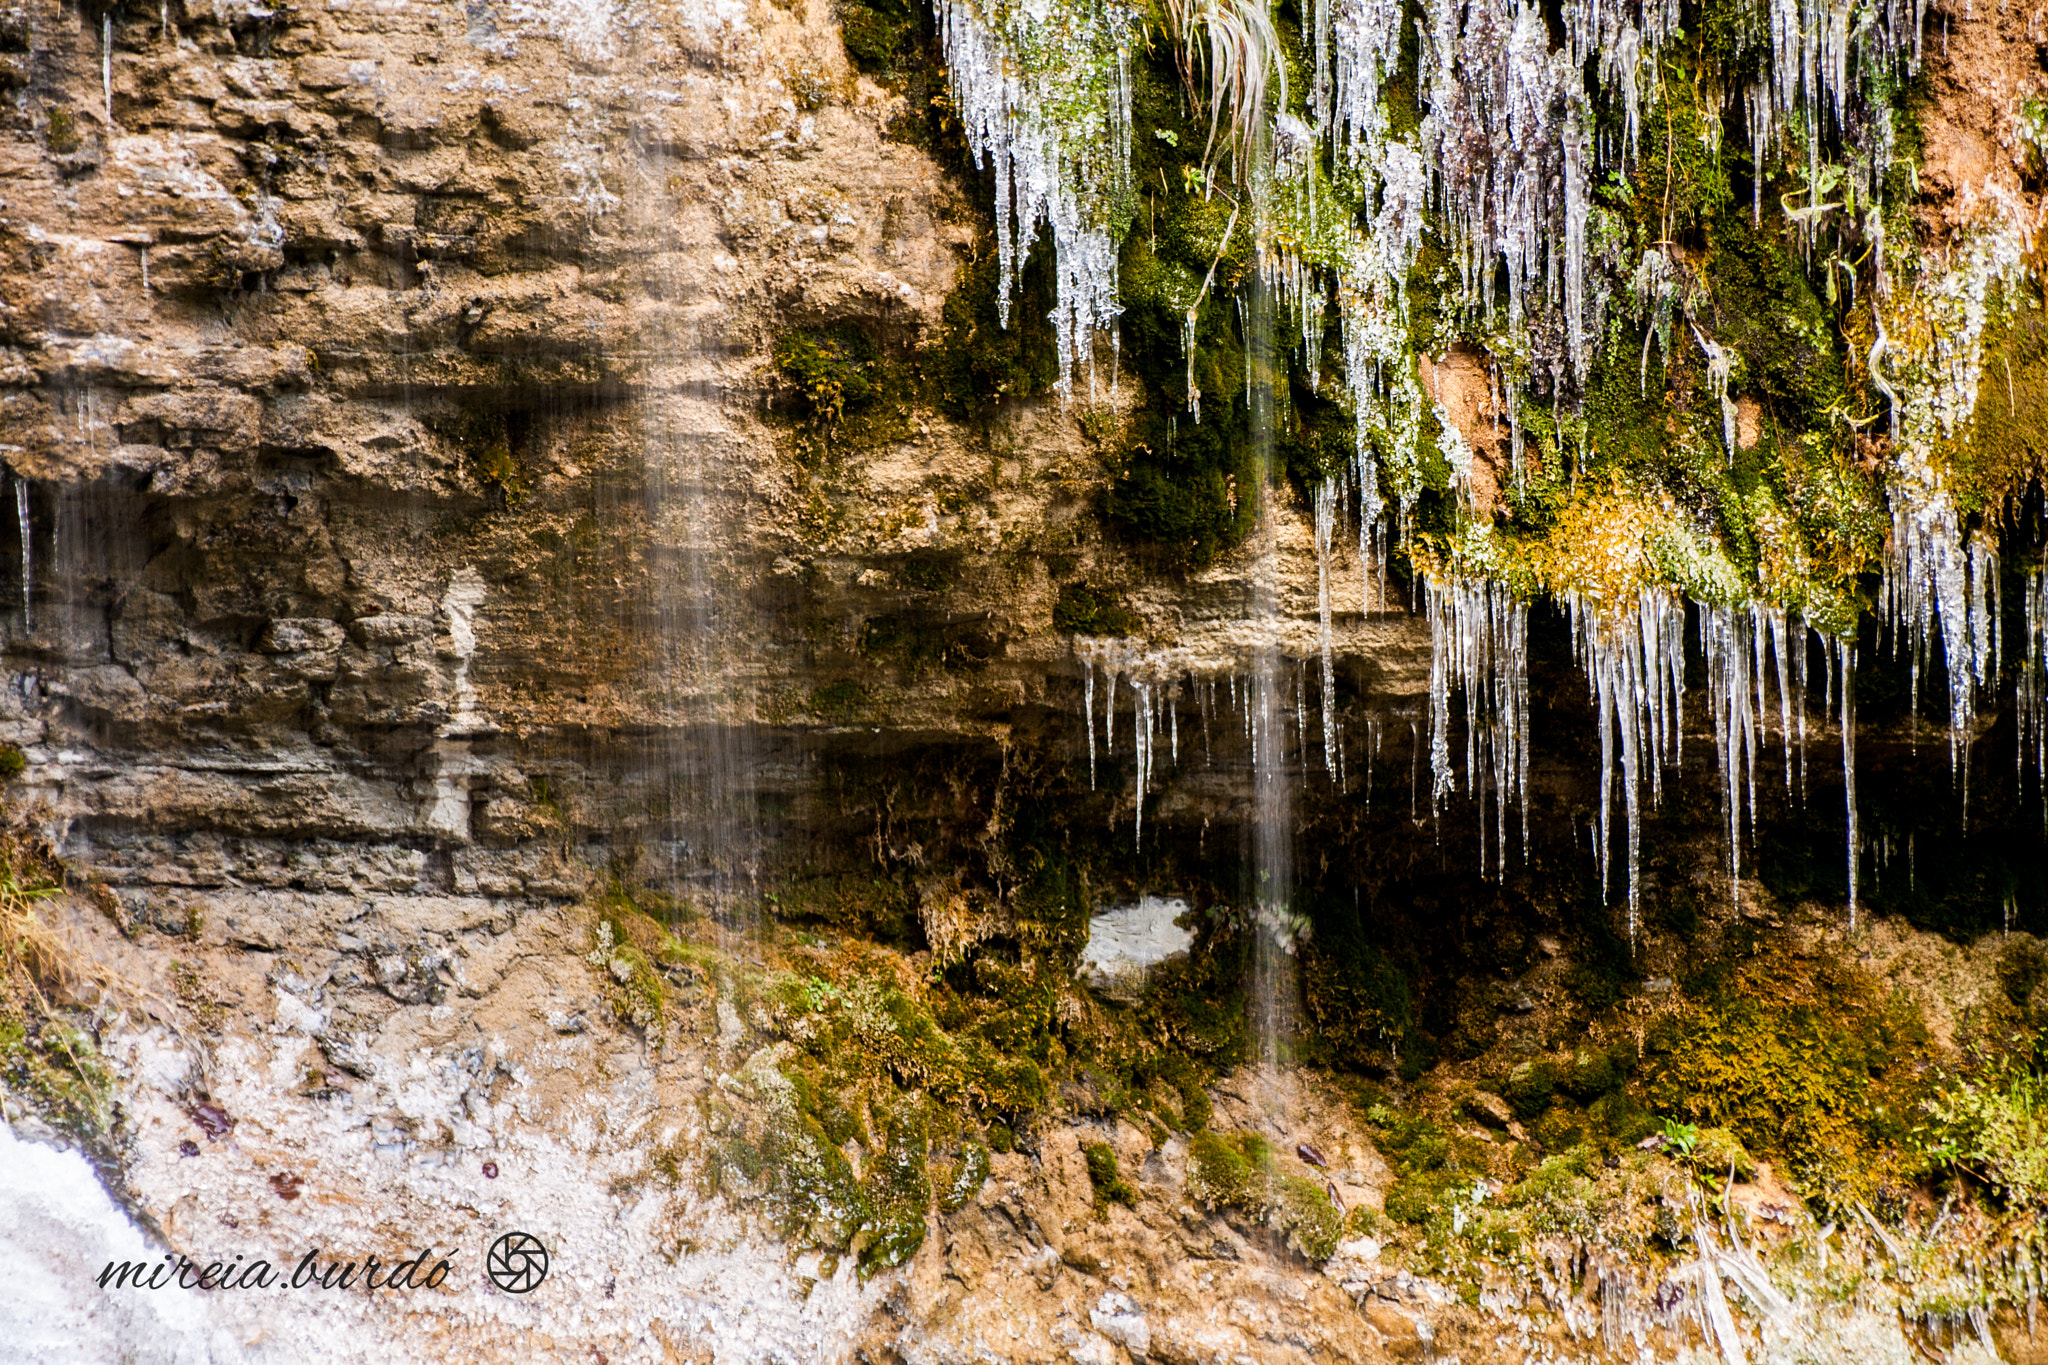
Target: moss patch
[(1811, 1063), (1084, 610)]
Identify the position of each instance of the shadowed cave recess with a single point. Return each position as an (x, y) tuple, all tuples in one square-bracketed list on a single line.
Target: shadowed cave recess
[(1203, 681)]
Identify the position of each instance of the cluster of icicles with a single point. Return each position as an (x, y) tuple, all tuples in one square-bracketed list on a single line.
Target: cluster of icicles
[(1757, 659), (1506, 147), (1759, 666)]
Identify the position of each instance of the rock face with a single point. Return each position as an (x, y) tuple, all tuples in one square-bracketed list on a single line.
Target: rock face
[(390, 402), (411, 520), (414, 529)]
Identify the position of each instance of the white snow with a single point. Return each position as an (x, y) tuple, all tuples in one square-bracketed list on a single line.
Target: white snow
[(58, 1231), (1127, 941)]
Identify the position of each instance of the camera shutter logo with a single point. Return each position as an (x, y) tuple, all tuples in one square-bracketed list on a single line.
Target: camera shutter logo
[(517, 1263)]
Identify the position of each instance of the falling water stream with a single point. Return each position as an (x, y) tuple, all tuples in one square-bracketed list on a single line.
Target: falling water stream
[(1273, 772)]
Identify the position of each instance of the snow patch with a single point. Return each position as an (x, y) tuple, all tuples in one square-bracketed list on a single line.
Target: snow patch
[(1125, 942)]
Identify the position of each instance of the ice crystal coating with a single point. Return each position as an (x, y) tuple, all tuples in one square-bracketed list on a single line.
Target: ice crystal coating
[(1517, 113), (1938, 575)]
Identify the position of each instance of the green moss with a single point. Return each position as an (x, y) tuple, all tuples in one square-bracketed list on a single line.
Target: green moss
[(631, 985), (1303, 1214), (844, 700), (1590, 1074), (978, 360), (1358, 998), (58, 1069), (922, 639), (893, 42), (832, 370), (1416, 1198), (2004, 447), (965, 1178), (1680, 179), (899, 1193), (1110, 1186), (929, 571), (1244, 1174), (1809, 1063), (1528, 1088), (881, 37), (1720, 1155), (1084, 610), (1218, 1174), (1988, 1124), (61, 130), (881, 908), (12, 762)]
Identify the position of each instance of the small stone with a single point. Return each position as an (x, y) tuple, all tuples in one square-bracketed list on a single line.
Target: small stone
[(212, 1120), (1491, 1110)]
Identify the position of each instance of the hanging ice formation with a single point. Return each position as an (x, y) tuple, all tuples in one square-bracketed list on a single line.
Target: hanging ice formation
[(1634, 657), (28, 559), (1479, 637), (2033, 682), (1940, 577), (1156, 680), (1506, 152), (1044, 98)]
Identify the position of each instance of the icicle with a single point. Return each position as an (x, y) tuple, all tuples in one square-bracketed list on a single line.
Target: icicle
[(1011, 89), (1781, 634), (1109, 672), (1325, 497), (1634, 659), (1173, 724), (28, 562), (1088, 716), (1141, 715), (1479, 639), (1846, 650), (1725, 635), (1301, 713)]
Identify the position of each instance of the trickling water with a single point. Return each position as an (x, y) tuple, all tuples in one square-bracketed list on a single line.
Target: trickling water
[(1326, 497), (1271, 862)]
